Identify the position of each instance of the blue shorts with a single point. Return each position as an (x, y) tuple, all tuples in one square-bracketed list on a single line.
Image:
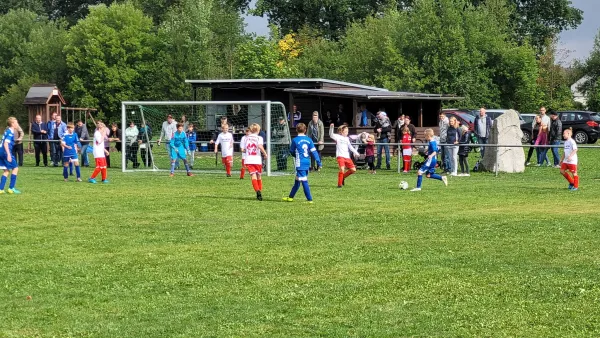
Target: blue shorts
[(429, 166), (4, 164), (71, 158), (302, 175)]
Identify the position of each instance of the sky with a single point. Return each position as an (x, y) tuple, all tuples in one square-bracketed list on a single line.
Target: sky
[(574, 44)]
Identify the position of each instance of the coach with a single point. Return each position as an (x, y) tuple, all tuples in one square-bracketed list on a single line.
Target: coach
[(40, 136)]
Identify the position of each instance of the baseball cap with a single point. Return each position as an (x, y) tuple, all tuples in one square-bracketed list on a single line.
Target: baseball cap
[(553, 112)]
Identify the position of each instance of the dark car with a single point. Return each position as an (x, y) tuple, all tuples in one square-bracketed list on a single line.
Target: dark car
[(585, 124)]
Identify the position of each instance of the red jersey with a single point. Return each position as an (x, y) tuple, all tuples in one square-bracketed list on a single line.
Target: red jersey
[(406, 138)]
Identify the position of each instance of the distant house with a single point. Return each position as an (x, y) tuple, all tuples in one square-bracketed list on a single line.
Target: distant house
[(578, 96)]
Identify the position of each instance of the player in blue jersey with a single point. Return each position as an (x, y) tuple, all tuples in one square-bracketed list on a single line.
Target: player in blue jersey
[(429, 166), (191, 136), (301, 148), (70, 146), (7, 161), (179, 147)]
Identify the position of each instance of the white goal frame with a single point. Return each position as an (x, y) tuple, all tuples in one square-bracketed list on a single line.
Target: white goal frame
[(267, 128)]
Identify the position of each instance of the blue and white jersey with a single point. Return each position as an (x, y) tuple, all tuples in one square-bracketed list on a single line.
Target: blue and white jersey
[(9, 137), (191, 136), (71, 140), (301, 148), (432, 147)]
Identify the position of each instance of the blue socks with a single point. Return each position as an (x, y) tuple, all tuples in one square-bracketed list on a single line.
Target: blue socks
[(2, 182), (187, 167), (295, 189), (419, 181), (65, 173), (78, 171), (306, 190), (71, 168), (13, 181), (172, 167), (436, 177)]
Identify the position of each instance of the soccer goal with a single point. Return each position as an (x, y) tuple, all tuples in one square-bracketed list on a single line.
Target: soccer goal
[(141, 151)]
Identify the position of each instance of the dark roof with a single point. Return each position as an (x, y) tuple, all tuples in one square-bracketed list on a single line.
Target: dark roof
[(272, 82), (42, 93), (374, 94)]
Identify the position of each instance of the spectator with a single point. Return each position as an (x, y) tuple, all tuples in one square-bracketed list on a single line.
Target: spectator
[(58, 132), (370, 153), (296, 116), (316, 132), (397, 127), (544, 117), (18, 146), (281, 136), (185, 122), (169, 127), (40, 135), (482, 126), (542, 140), (463, 151), (383, 129), (411, 127), (51, 127), (131, 144), (453, 137), (555, 136), (340, 117), (537, 121), (364, 116), (328, 119), (84, 136), (443, 125), (116, 135), (106, 131), (144, 137)]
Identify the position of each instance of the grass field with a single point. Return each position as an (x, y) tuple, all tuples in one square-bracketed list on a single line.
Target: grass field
[(153, 256)]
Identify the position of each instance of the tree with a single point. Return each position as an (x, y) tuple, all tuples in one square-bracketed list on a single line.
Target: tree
[(591, 71), (71, 10), (554, 80), (11, 103), (109, 55), (35, 6)]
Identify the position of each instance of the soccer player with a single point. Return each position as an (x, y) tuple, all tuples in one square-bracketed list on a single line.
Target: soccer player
[(242, 147), (100, 153), (429, 166), (301, 148), (179, 147), (7, 161), (191, 136), (253, 149), (406, 149), (342, 147), (70, 147), (225, 139), (568, 161)]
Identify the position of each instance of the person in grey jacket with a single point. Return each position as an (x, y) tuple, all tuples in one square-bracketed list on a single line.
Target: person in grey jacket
[(280, 134), (482, 126), (443, 124), (84, 136), (555, 136), (316, 132)]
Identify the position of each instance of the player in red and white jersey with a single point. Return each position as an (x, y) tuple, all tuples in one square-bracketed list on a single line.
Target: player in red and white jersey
[(253, 147), (569, 160), (243, 146), (100, 153), (342, 153), (225, 139)]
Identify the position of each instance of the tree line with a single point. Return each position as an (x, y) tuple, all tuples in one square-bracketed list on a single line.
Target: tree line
[(497, 53)]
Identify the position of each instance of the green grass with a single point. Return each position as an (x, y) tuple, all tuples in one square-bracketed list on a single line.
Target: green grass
[(149, 255)]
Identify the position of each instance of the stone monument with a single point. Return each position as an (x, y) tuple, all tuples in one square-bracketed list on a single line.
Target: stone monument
[(506, 130)]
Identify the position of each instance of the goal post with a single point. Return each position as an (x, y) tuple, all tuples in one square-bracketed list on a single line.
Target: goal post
[(141, 151)]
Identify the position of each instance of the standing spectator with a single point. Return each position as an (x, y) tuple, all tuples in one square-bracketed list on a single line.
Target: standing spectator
[(114, 135), (370, 153), (296, 116), (340, 116), (453, 137), (542, 140), (84, 136), (131, 144), (169, 127), (537, 122), (328, 119), (555, 136), (60, 128), (383, 129), (280, 135), (18, 147), (316, 132), (397, 127), (51, 127), (185, 122), (444, 124), (40, 135), (544, 117), (364, 116), (411, 127), (106, 132), (482, 125), (144, 137), (463, 151)]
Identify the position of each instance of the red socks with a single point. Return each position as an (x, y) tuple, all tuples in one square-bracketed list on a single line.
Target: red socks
[(242, 171), (260, 185), (228, 168), (340, 178), (104, 174), (576, 181), (348, 173), (568, 177), (255, 185), (95, 173)]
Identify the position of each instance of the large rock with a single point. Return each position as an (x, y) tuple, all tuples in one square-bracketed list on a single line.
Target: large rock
[(505, 131)]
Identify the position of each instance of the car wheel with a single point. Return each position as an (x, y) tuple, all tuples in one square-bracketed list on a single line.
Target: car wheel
[(526, 137), (592, 141), (581, 137)]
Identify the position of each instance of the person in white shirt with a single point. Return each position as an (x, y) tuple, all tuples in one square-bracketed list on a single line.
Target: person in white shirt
[(568, 162), (253, 147), (100, 153), (225, 139), (342, 153), (169, 127)]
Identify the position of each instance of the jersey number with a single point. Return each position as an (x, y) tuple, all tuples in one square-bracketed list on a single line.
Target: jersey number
[(304, 150), (252, 150)]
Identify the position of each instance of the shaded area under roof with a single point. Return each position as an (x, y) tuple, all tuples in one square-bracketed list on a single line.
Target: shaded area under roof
[(41, 94), (283, 82), (366, 94)]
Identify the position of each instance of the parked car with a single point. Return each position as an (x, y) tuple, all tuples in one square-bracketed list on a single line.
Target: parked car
[(463, 117), (528, 118), (585, 124)]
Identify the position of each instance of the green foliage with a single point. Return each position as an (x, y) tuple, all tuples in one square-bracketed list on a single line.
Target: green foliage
[(554, 81), (257, 58), (109, 55), (11, 103), (35, 6)]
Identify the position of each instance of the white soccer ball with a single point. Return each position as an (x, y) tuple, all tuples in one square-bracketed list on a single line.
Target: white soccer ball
[(403, 185)]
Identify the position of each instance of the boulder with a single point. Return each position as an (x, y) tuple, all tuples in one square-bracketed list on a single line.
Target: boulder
[(506, 130)]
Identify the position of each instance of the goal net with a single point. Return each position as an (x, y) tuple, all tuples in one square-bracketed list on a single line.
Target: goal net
[(141, 151)]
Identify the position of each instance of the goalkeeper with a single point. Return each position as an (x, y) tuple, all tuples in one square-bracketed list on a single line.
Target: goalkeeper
[(179, 147), (302, 147)]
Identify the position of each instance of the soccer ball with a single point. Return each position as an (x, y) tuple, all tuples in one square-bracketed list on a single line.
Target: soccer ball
[(403, 185)]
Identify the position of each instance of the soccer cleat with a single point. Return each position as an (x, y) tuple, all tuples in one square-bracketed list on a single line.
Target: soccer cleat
[(2, 192), (171, 175), (288, 199), (309, 202), (13, 191), (241, 178), (91, 180), (66, 180), (445, 180), (572, 189), (259, 195), (228, 175), (571, 186), (415, 189), (190, 174), (339, 186), (105, 181), (79, 180)]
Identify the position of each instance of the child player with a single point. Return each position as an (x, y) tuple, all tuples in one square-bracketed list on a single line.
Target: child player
[(191, 136), (342, 147), (70, 145), (179, 147), (253, 148), (243, 146), (7, 161), (301, 148), (100, 153), (225, 139), (569, 160), (429, 166), (406, 148)]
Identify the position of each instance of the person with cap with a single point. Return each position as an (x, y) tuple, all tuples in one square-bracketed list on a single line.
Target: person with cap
[(169, 127), (280, 134), (316, 132), (555, 136), (383, 128)]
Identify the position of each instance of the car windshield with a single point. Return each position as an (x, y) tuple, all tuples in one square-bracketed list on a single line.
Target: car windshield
[(595, 117)]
